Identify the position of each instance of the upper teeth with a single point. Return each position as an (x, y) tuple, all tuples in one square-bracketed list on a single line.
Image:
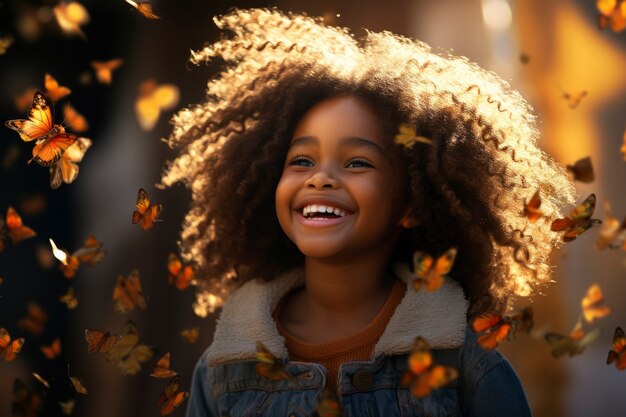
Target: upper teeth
[(316, 208)]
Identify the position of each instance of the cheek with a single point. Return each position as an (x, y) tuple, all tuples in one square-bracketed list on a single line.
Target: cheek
[(283, 199)]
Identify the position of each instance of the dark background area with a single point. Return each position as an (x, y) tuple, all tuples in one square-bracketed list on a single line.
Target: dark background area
[(124, 158)]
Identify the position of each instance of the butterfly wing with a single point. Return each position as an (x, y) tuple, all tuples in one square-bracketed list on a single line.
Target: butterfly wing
[(162, 368), (91, 253), (69, 299), (53, 350), (9, 348), (74, 119), (55, 91), (127, 293), (484, 322), (145, 9), (582, 170), (591, 304), (142, 204), (442, 267), (17, 230), (420, 358), (171, 398), (190, 335), (531, 209), (35, 320), (66, 168), (585, 210), (151, 216), (618, 354), (131, 364), (559, 225), (104, 70), (98, 341), (39, 123), (47, 152), (491, 339), (79, 385), (268, 366)]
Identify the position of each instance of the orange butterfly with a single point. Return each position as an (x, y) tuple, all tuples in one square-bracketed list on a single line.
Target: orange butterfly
[(104, 69), (98, 341), (162, 368), (55, 91), (582, 170), (430, 273), (574, 344), (592, 304), (578, 221), (496, 327), (78, 383), (53, 350), (178, 275), (268, 366), (146, 213), (69, 299), (74, 119), (408, 137), (128, 353), (152, 100), (67, 407), (190, 335), (618, 353), (70, 17), (91, 254), (127, 293), (51, 140), (14, 228), (329, 405), (531, 209), (171, 397), (9, 348), (35, 320), (144, 8), (612, 233), (26, 403), (573, 100), (612, 14), (422, 375)]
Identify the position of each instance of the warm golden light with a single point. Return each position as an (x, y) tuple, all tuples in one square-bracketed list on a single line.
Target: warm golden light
[(497, 14)]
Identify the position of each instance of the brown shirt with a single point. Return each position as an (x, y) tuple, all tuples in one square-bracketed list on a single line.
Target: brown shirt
[(357, 347)]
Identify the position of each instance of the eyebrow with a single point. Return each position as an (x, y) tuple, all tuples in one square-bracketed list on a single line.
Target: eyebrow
[(353, 141)]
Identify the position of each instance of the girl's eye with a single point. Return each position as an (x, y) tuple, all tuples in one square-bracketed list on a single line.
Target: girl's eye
[(300, 161), (359, 163)]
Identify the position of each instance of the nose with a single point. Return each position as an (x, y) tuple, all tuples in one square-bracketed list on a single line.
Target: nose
[(321, 179)]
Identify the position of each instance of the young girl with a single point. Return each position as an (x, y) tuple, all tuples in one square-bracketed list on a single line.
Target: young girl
[(306, 213)]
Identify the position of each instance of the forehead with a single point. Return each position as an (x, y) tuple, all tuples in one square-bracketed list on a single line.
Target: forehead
[(340, 117)]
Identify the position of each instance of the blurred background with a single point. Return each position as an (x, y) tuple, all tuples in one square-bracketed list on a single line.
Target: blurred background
[(553, 52)]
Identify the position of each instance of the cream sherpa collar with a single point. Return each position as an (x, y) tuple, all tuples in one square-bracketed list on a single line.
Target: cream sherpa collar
[(438, 316)]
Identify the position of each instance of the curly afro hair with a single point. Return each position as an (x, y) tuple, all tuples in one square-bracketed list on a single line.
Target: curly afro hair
[(468, 188)]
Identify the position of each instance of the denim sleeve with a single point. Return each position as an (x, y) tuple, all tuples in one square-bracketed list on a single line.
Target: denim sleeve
[(201, 402), (499, 392)]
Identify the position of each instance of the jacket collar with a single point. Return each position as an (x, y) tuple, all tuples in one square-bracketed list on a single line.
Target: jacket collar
[(438, 316)]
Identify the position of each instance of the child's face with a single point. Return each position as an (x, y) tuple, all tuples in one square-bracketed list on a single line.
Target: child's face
[(339, 158)]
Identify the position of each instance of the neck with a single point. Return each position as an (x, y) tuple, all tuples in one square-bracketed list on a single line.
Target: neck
[(346, 289)]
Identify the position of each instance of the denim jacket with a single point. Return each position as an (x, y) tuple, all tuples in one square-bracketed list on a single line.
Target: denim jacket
[(225, 382)]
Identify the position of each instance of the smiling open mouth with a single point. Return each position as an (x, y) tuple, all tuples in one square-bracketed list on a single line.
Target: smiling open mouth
[(316, 211)]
